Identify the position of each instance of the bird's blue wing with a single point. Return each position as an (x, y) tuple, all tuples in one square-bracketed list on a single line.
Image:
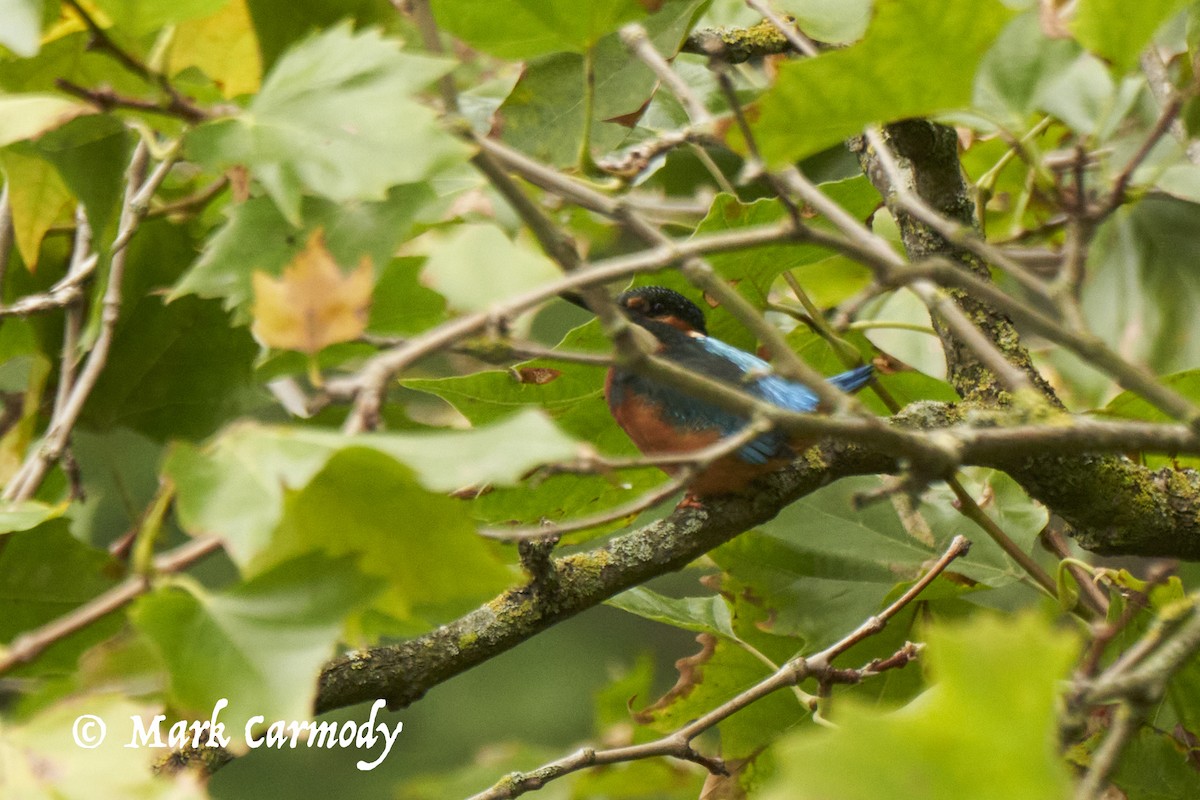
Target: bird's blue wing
[(779, 391)]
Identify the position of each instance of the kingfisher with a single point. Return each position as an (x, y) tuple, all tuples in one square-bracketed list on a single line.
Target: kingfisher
[(663, 419)]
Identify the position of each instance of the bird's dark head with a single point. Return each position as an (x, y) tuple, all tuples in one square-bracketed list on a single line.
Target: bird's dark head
[(663, 305)]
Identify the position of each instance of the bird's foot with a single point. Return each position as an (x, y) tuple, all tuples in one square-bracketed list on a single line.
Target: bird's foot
[(690, 501)]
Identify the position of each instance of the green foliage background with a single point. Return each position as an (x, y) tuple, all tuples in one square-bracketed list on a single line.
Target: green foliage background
[(326, 115)]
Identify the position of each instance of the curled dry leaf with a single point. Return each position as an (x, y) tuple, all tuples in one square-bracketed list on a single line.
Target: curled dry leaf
[(314, 304)]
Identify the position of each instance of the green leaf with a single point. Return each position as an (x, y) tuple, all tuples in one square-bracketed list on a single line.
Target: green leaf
[(401, 305), (986, 729), (25, 515), (91, 154), (37, 196), (700, 614), (259, 644), (1085, 97), (821, 567), (138, 18), (46, 573), (27, 116), (1182, 181), (1119, 31), (574, 400), (1130, 405), (525, 28), (235, 486), (834, 21), (22, 29), (545, 113), (899, 70), (334, 118), (476, 266), (41, 762), (177, 370), (257, 238), (1018, 68), (1142, 292), (418, 544), (720, 671), (281, 23)]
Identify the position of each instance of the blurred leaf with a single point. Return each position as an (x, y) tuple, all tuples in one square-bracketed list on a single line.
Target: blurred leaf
[(44, 574), (25, 515), (223, 45), (256, 238), (41, 763), (235, 486), (138, 18), (176, 370), (27, 116), (401, 305), (1142, 291), (1018, 68), (1085, 97), (897, 71), (91, 153), (418, 544), (259, 644), (525, 28), (1130, 405), (1182, 181), (21, 31), (1156, 766), (476, 266), (833, 21), (1007, 748), (314, 304), (1119, 31), (333, 117), (281, 23), (38, 197)]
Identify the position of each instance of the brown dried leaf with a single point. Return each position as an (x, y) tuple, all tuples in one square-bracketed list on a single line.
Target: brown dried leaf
[(537, 375), (691, 674), (313, 304)]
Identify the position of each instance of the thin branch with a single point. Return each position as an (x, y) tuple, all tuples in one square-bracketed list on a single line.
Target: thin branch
[(138, 192), (180, 105), (678, 744), (634, 37), (369, 384), (106, 99)]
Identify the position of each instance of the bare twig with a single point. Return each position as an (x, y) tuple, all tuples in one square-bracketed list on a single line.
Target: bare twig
[(139, 189), (635, 38)]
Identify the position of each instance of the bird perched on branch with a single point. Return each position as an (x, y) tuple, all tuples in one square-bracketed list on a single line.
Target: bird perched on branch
[(663, 419)]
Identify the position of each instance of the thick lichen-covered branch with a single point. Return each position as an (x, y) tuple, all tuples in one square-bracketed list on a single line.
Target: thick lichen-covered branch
[(1115, 505), (402, 673)]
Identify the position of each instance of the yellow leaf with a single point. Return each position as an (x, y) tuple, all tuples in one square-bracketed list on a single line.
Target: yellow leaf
[(313, 304), (224, 46), (39, 199)]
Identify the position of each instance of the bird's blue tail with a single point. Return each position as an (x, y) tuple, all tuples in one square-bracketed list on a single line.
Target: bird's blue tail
[(854, 379)]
